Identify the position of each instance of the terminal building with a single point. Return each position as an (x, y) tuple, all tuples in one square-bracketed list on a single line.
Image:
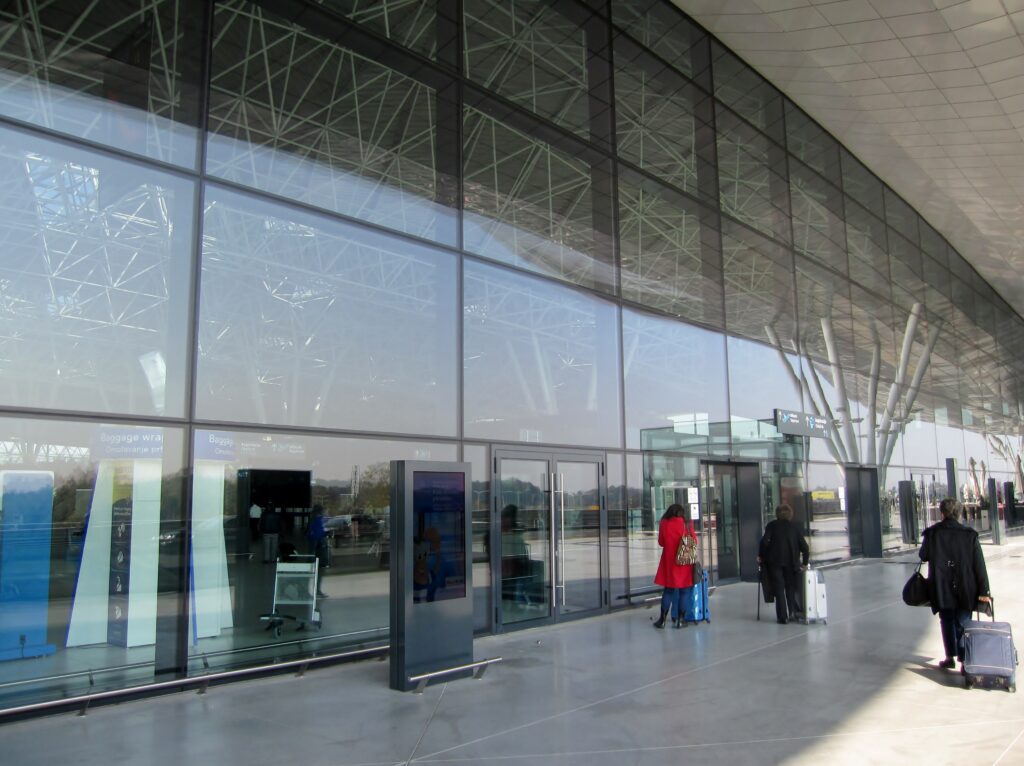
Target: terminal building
[(255, 251)]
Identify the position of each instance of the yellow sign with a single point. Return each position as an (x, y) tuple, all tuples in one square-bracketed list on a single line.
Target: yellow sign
[(823, 494)]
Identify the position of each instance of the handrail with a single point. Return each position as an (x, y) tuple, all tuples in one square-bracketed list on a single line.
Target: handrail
[(90, 672), (202, 682), (480, 668)]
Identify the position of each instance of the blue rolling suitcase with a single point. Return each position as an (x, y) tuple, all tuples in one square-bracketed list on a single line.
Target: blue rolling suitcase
[(990, 658), (696, 607)]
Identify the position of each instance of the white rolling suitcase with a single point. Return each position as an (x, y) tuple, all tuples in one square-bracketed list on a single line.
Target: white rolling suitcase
[(815, 597)]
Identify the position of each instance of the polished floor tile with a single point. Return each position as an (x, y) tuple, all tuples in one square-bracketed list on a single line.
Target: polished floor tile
[(608, 691)]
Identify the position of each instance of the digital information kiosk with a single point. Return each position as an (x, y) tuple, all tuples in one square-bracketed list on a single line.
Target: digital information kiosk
[(431, 571)]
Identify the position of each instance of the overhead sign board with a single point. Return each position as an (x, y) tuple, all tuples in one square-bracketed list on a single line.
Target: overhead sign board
[(800, 423)]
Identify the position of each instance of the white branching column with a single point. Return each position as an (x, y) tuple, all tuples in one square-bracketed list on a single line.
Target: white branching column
[(842, 443)]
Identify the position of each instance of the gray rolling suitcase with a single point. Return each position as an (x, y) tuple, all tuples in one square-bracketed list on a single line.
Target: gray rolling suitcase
[(990, 658), (814, 603)]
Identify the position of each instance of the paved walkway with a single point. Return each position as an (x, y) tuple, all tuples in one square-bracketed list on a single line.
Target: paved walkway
[(863, 689)]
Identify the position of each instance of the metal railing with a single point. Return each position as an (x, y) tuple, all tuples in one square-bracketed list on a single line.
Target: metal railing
[(202, 682), (478, 668)]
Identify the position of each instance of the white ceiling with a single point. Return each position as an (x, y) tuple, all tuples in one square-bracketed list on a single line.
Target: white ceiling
[(928, 93)]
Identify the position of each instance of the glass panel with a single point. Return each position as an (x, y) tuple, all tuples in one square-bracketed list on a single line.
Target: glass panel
[(525, 542), (531, 205), (95, 281), (324, 126), (888, 487), (823, 309), (869, 259), (669, 262), (758, 274), (657, 117), (662, 29), (900, 215), (906, 269), (253, 497), (807, 141), (919, 434), (824, 397), (656, 481), (578, 516), (411, 24), (750, 176), (722, 503), (746, 92), (949, 433), (828, 515), (933, 243), (618, 530), (119, 73), (309, 321), (675, 384), (761, 380), (478, 458), (818, 230), (532, 55), (541, 361), (861, 184), (873, 334), (90, 555)]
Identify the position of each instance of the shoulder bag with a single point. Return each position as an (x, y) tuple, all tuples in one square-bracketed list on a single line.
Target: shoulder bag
[(915, 592), (686, 553)]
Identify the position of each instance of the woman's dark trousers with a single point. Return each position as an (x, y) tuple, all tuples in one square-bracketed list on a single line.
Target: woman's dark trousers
[(784, 583)]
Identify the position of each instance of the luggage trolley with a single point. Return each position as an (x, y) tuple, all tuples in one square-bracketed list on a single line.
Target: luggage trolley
[(295, 589)]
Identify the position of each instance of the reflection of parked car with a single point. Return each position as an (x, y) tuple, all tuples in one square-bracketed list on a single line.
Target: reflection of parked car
[(365, 525)]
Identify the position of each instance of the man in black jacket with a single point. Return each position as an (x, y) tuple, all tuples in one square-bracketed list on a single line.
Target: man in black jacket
[(957, 577), (783, 550)]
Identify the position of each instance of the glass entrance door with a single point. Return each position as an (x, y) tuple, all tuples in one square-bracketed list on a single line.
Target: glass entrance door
[(550, 509)]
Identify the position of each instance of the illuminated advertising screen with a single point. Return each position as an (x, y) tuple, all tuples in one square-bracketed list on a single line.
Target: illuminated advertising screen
[(439, 536)]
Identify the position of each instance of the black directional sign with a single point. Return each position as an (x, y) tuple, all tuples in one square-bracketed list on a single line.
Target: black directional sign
[(800, 423)]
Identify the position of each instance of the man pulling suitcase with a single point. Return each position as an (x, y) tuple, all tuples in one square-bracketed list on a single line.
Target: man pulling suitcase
[(957, 576)]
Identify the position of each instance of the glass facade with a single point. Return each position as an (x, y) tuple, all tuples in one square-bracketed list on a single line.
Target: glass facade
[(255, 252)]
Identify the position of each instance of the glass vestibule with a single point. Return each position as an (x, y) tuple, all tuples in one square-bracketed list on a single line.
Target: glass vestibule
[(551, 512), (731, 511)]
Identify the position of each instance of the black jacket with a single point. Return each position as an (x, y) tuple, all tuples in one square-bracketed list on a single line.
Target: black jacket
[(956, 566), (783, 546)]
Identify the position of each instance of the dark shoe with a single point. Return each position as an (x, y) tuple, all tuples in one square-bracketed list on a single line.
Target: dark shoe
[(782, 622), (681, 623), (947, 664), (660, 623)]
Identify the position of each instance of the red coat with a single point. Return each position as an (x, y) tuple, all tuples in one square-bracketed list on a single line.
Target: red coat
[(670, 574)]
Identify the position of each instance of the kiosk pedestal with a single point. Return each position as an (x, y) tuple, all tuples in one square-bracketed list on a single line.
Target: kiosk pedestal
[(431, 573)]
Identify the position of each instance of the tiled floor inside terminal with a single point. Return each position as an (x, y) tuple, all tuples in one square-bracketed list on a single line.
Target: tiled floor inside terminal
[(610, 691)]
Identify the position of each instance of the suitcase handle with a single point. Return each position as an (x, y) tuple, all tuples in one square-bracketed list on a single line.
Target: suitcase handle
[(992, 608)]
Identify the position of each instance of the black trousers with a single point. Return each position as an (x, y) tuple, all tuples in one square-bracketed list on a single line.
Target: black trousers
[(784, 582)]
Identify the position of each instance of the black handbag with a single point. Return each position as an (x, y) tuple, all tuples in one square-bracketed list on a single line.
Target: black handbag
[(915, 592)]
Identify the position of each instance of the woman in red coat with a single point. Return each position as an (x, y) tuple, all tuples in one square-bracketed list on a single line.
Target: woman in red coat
[(674, 578)]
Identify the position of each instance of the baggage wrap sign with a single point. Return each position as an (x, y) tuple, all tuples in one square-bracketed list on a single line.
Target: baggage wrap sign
[(801, 424)]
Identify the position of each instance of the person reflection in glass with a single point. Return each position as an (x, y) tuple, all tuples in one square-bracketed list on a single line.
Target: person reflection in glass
[(515, 564)]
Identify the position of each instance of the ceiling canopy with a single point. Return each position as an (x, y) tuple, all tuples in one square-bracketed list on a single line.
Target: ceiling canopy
[(928, 93)]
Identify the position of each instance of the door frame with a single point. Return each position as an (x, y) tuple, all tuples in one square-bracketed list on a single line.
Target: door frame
[(551, 455)]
